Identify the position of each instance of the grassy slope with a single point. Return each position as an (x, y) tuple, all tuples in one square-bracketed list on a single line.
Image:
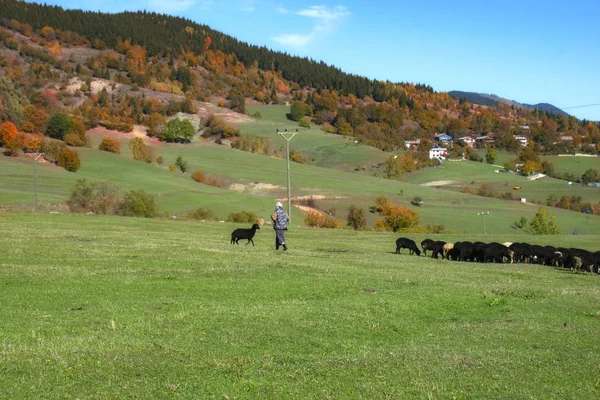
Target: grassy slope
[(322, 149), (473, 174), (179, 194), (571, 164), (175, 192), (105, 307)]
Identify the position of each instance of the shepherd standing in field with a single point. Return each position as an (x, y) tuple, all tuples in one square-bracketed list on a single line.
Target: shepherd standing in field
[(280, 219)]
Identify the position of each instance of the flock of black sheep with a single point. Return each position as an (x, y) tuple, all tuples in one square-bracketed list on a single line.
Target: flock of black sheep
[(561, 257)]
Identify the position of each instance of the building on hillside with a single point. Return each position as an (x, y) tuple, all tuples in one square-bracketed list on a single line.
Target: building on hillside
[(439, 153), (486, 139), (468, 140), (565, 138), (521, 139), (443, 138), (412, 143)]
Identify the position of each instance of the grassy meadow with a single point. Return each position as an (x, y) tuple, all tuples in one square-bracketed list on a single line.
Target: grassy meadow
[(106, 307), (251, 182)]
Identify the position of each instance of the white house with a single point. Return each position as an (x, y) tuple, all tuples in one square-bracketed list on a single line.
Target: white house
[(438, 152), (412, 143), (521, 139), (468, 140)]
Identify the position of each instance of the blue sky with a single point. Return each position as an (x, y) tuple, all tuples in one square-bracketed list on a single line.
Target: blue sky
[(531, 51)]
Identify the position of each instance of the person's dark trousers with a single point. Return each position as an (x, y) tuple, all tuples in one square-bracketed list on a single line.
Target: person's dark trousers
[(280, 239)]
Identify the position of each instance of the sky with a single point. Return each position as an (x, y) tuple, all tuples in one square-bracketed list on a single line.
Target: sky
[(531, 51)]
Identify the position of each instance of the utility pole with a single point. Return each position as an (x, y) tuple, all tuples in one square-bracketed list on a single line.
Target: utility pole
[(35, 157), (288, 136), (483, 214)]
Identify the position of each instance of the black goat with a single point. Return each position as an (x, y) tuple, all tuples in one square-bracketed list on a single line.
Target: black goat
[(405, 243), (242, 233)]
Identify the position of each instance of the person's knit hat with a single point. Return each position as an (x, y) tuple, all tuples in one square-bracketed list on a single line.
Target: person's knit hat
[(278, 204)]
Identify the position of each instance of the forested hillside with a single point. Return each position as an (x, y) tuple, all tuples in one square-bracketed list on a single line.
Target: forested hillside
[(119, 70)]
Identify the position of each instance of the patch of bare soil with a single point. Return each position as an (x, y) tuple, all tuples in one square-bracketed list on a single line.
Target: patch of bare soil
[(309, 209), (138, 131), (96, 85), (441, 183), (254, 187)]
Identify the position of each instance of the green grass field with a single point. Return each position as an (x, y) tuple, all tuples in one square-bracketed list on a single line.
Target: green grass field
[(576, 165), (108, 307), (260, 180), (472, 174), (322, 149)]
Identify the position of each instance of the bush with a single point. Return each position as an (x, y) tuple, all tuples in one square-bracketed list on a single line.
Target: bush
[(140, 150), (68, 159), (542, 224), (76, 134), (100, 197), (199, 176), (216, 182), (298, 157), (181, 164), (110, 145), (395, 218), (178, 130), (58, 125), (203, 214), (138, 203), (304, 122), (315, 219), (356, 218), (242, 216)]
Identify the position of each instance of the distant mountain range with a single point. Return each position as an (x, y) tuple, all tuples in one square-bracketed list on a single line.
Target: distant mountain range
[(492, 100)]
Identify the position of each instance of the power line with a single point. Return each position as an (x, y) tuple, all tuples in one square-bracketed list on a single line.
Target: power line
[(587, 105)]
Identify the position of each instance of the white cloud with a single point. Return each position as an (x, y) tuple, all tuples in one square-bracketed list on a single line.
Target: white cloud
[(282, 10), (325, 20), (324, 13), (294, 39)]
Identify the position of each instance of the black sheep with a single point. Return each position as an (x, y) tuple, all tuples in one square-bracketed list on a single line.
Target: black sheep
[(405, 243), (426, 245), (242, 233)]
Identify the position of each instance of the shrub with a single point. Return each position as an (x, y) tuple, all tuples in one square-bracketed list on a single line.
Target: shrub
[(216, 127), (356, 218), (181, 164), (304, 122), (32, 143), (242, 216), (68, 159), (140, 150), (199, 176), (51, 149), (542, 224), (110, 145), (76, 134), (203, 214), (327, 127), (487, 190), (298, 157), (137, 203), (216, 182), (100, 197), (10, 138), (315, 219), (395, 217), (58, 125), (178, 130)]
